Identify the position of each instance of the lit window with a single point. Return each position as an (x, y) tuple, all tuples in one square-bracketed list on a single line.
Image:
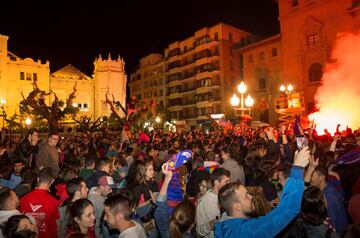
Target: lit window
[(28, 76), (313, 39)]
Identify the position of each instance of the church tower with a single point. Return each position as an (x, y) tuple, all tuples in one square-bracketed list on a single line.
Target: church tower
[(110, 78)]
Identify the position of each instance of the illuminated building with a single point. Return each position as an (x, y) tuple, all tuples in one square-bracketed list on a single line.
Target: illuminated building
[(199, 74), (17, 76), (299, 53)]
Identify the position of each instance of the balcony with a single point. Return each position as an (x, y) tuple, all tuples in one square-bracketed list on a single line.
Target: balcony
[(189, 89), (188, 75), (174, 108), (189, 103), (188, 116)]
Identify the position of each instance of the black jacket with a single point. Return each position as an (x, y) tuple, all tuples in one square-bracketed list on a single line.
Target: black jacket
[(25, 150)]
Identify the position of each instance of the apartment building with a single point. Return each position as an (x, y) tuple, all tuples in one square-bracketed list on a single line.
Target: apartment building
[(200, 75)]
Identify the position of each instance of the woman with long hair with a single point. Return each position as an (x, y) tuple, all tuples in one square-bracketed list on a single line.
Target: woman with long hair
[(144, 186), (82, 218), (313, 220), (182, 220)]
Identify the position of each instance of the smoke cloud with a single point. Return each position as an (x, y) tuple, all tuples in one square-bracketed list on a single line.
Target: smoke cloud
[(338, 98)]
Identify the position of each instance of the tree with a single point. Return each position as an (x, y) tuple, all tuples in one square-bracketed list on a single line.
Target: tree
[(34, 105), (86, 125), (146, 110)]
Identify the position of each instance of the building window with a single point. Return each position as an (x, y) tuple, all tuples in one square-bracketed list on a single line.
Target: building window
[(313, 39), (22, 76), (315, 72), (79, 105), (230, 37), (161, 93), (28, 76), (262, 83), (216, 37), (35, 77), (160, 81), (274, 52), (250, 59), (261, 56), (294, 3), (85, 105)]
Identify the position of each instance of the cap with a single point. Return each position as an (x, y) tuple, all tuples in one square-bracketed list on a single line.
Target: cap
[(176, 161), (106, 180)]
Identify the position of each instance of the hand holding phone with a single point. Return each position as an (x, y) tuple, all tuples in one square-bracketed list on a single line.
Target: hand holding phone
[(300, 142)]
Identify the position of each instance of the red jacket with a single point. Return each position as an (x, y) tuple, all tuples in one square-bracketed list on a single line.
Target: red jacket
[(44, 208)]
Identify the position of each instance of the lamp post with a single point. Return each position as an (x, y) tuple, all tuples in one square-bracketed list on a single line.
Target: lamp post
[(235, 101), (287, 90), (3, 112)]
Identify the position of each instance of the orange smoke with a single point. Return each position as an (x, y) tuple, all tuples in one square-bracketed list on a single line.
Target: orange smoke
[(338, 98)]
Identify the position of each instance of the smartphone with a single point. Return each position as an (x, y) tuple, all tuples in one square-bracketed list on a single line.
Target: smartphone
[(300, 142)]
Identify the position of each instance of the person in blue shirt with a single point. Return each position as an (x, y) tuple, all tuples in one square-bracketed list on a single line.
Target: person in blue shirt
[(237, 203), (334, 198), (15, 178)]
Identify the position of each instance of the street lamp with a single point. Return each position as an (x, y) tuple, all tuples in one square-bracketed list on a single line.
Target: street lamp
[(235, 101), (158, 119), (3, 113), (249, 101), (287, 89)]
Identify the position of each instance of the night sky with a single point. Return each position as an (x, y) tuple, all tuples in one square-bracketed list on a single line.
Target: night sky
[(77, 31)]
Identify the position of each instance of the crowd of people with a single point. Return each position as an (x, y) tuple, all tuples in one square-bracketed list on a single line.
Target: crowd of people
[(263, 182)]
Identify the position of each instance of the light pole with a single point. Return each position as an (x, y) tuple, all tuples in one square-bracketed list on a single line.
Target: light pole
[(242, 89), (287, 90), (3, 112), (235, 101)]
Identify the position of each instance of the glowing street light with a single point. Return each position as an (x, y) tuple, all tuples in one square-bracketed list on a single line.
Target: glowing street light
[(282, 88), (287, 89), (158, 119), (242, 87), (249, 101), (234, 101), (74, 104), (290, 88), (3, 102)]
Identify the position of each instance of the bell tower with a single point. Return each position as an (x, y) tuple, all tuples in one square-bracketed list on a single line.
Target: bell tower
[(110, 78)]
